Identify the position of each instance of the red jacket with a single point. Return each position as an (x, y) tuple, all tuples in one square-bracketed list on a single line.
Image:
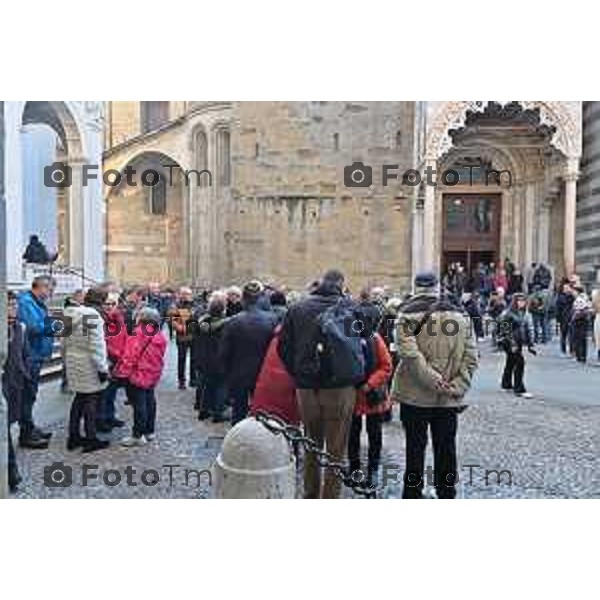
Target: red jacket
[(275, 391), (378, 378), (115, 334), (143, 361)]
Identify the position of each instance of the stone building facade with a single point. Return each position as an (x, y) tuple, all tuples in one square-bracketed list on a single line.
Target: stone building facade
[(275, 205), (588, 197)]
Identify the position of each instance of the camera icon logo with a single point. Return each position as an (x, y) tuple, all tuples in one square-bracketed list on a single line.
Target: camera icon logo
[(58, 174), (58, 475), (58, 326), (358, 175)]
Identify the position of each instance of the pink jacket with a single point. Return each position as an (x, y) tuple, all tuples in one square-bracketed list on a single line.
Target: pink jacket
[(144, 358), (115, 334)]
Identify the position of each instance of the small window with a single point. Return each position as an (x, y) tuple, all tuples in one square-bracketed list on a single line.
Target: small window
[(158, 197), (224, 157), (336, 141), (153, 115)]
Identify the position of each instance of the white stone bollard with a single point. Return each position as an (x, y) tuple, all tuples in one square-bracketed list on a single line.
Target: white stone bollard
[(254, 463)]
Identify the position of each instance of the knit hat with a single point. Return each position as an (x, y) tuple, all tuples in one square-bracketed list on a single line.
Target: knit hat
[(426, 279), (252, 290)]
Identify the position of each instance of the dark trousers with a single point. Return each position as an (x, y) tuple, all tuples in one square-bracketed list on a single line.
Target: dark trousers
[(144, 410), (579, 338), (13, 469), (443, 423), (214, 392), (183, 349), (240, 398), (84, 406), (106, 408), (514, 370), (28, 400), (564, 334), (539, 328), (375, 437)]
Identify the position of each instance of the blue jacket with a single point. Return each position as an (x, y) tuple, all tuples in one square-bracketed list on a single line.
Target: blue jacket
[(33, 314)]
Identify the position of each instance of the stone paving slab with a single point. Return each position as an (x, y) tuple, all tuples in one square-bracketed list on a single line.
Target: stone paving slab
[(550, 444)]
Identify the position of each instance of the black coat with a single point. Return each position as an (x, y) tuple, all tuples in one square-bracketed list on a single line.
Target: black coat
[(301, 334), (207, 341), (16, 372), (244, 344)]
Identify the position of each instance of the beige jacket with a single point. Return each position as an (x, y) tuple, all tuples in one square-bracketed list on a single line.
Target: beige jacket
[(443, 349)]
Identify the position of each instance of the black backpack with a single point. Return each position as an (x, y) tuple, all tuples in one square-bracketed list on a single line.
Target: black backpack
[(341, 351)]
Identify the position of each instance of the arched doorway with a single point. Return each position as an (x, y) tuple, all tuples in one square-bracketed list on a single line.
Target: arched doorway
[(147, 221), (528, 214)]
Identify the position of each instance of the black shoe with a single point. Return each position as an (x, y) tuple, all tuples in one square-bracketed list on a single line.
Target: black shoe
[(182, 385), (45, 435), (116, 423), (93, 445), (104, 427), (74, 443), (33, 443), (203, 415), (13, 482)]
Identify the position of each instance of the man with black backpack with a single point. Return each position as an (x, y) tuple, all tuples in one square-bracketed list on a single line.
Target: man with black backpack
[(321, 349)]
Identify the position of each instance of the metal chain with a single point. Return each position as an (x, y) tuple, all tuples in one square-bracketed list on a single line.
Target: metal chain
[(297, 438)]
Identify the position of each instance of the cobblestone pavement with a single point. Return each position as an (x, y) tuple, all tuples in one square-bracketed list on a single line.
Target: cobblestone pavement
[(550, 444)]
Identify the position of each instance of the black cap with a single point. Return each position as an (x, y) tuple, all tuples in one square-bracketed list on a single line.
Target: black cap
[(426, 279)]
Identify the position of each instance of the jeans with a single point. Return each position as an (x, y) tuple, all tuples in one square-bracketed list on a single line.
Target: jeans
[(240, 398), (144, 410), (84, 406), (514, 369), (375, 437), (183, 349), (213, 401), (106, 407), (28, 400), (539, 328), (443, 423), (13, 469), (326, 415), (564, 334)]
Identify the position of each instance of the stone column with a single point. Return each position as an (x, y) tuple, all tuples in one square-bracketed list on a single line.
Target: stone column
[(570, 216), (76, 216), (429, 223), (528, 223), (543, 247), (3, 329), (417, 236)]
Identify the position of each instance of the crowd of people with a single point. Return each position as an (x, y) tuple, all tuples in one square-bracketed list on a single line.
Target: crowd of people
[(320, 358)]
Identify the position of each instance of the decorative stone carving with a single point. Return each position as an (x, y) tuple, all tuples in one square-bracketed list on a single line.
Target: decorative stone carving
[(562, 120)]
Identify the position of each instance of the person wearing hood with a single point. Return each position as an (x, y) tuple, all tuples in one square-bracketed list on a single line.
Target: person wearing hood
[(515, 332), (207, 333), (438, 358), (326, 405), (86, 361)]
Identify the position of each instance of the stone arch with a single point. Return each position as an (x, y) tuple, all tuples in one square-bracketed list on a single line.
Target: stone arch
[(564, 116)]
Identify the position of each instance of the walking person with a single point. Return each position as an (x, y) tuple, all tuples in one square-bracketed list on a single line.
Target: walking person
[(245, 340), (514, 335), (15, 377), (580, 324), (372, 403), (434, 374), (33, 313), (564, 308), (326, 386), (141, 368), (87, 365)]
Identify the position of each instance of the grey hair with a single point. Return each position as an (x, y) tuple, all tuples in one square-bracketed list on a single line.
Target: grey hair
[(147, 314)]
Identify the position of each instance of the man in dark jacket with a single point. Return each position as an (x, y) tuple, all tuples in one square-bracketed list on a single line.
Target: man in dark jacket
[(564, 309), (15, 377), (326, 408), (207, 334), (33, 313), (246, 337), (36, 252)]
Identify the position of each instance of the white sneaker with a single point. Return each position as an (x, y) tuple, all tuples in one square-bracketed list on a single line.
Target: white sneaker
[(130, 442), (150, 437), (526, 395)]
